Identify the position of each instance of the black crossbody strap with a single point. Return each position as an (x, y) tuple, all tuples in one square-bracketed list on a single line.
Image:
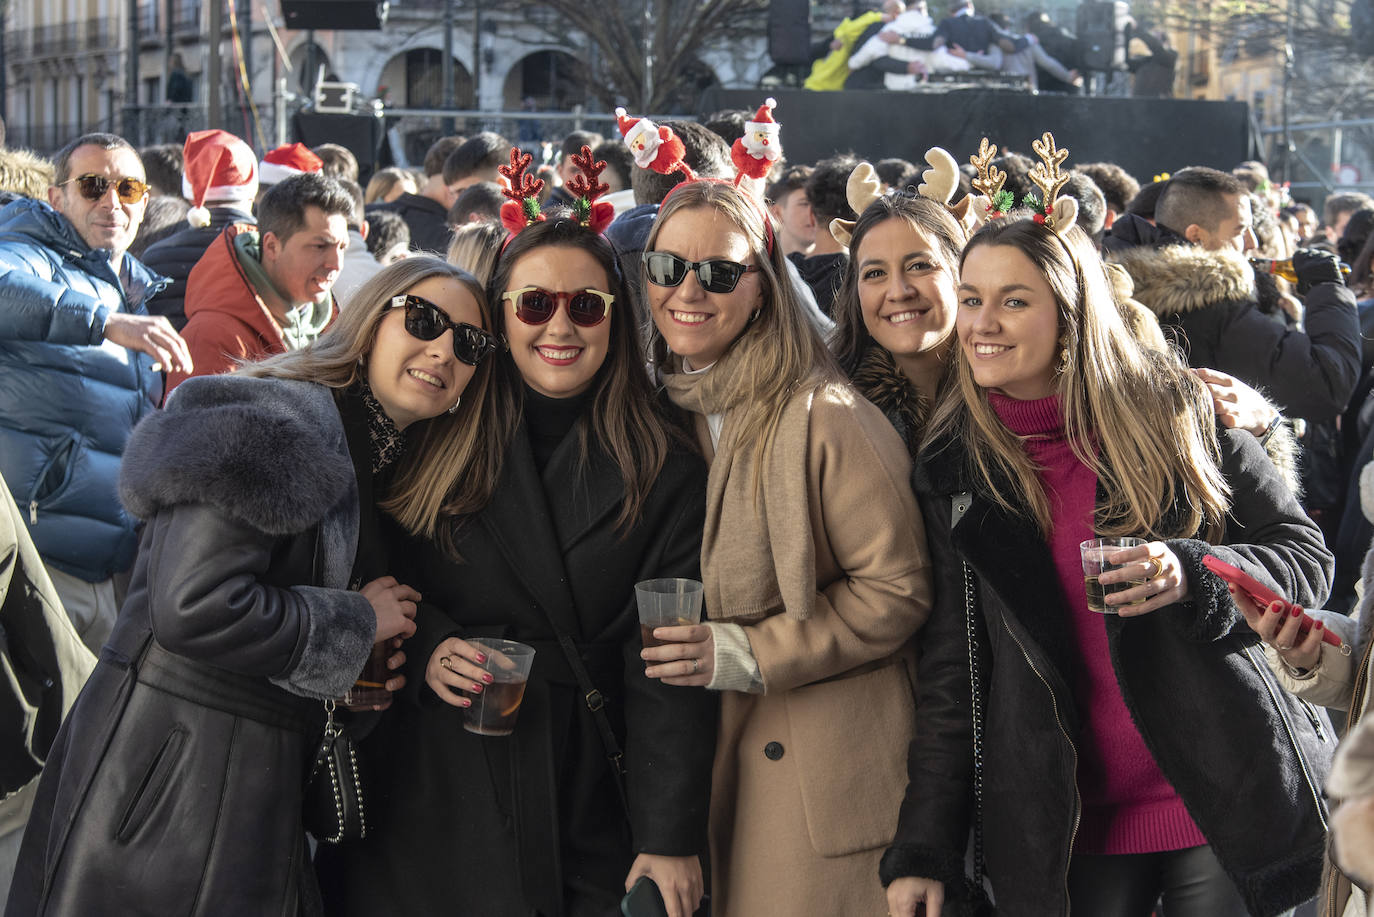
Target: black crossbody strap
[(596, 703)]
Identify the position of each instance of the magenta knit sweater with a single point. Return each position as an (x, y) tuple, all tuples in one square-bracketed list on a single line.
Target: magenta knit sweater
[(1128, 804)]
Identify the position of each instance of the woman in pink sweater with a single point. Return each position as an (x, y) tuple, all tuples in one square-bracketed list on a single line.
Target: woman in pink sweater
[(1106, 760)]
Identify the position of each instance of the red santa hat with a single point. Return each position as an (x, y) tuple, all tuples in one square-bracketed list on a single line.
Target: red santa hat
[(286, 161), (219, 167)]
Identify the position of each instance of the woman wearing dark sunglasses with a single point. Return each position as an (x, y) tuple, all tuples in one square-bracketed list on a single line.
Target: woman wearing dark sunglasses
[(261, 587), (814, 563), (595, 495)]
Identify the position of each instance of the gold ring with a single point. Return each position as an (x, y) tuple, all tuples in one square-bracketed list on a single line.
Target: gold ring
[(1159, 568), (446, 662)]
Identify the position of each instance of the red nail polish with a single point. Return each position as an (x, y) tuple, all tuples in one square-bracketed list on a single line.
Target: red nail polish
[(1296, 611), (488, 677), (1318, 626), (476, 688), (1275, 607), (467, 703), (482, 657)]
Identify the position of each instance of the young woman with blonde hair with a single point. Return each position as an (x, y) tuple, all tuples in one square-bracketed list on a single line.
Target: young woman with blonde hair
[(1104, 759), (813, 562), (261, 587)]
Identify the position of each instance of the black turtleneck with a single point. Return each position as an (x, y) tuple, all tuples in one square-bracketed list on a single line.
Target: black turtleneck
[(548, 420)]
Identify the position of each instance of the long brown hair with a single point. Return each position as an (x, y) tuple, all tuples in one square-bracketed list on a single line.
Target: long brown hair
[(626, 420), (1138, 417), (453, 461), (780, 350)]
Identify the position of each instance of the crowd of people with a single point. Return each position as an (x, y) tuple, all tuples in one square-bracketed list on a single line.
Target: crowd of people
[(284, 455), (899, 46)]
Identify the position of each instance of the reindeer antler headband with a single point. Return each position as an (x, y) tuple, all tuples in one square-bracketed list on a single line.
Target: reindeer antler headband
[(1057, 213), (938, 184), (523, 190)]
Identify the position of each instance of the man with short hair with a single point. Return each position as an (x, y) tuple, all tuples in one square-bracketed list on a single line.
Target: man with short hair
[(792, 211), (566, 169), (476, 160), (477, 203), (79, 360), (337, 161), (1337, 209), (823, 267), (619, 167), (265, 291), (426, 211), (1190, 270)]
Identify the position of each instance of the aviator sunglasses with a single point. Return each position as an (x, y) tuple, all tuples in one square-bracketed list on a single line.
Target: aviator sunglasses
[(668, 270), (535, 305), (94, 187), (426, 321)]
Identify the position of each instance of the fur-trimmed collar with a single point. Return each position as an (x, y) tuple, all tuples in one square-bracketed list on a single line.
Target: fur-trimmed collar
[(1184, 278), (880, 381), (268, 452)]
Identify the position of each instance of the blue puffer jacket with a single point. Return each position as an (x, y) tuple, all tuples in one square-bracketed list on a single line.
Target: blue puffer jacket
[(68, 397)]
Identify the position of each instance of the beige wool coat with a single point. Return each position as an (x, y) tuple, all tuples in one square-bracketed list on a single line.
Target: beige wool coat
[(809, 775)]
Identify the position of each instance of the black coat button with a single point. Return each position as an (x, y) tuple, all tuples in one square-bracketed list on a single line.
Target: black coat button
[(773, 751)]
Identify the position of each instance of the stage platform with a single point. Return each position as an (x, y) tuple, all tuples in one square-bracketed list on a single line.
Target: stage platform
[(1144, 136)]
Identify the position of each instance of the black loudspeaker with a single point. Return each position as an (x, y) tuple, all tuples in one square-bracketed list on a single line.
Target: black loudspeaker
[(361, 134), (789, 32), (356, 15), (1102, 34)]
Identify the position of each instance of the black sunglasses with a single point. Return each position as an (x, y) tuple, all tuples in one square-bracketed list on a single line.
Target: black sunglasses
[(536, 305), (94, 187), (668, 270), (426, 321)]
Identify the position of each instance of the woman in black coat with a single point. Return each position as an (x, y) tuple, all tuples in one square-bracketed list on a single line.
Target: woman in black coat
[(1124, 755), (174, 787), (594, 496)]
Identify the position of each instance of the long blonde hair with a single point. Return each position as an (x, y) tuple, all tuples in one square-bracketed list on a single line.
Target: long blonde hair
[(780, 350), (1137, 417), (454, 459)]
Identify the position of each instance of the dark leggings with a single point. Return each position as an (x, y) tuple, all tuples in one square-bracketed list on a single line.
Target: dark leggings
[(1186, 883)]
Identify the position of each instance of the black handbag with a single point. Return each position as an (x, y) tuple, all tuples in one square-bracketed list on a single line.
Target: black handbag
[(333, 804)]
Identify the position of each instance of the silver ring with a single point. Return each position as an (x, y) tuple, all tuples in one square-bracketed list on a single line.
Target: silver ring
[(1283, 647), (696, 666)]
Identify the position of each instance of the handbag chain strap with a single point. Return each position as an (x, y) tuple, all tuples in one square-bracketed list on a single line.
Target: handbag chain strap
[(959, 506)]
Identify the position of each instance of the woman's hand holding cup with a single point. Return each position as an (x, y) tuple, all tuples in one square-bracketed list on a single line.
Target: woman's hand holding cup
[(1165, 582), (455, 671), (394, 605), (688, 658)]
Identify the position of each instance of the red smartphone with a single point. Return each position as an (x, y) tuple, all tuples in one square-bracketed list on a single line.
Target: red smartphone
[(1262, 594)]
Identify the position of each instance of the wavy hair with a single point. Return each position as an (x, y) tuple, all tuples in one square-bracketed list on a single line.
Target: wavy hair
[(453, 461), (1137, 417), (781, 350), (626, 419)]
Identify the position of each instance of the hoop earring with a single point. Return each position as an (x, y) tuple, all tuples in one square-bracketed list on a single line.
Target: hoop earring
[(454, 409)]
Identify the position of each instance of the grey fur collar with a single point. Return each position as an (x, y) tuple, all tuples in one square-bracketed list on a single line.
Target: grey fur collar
[(1185, 278), (268, 452)]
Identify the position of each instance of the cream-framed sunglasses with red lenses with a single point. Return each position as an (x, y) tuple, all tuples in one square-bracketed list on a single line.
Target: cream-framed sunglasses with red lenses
[(535, 305)]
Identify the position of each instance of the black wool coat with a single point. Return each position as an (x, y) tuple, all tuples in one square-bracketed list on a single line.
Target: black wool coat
[(174, 787), (175, 255), (1247, 758), (497, 826)]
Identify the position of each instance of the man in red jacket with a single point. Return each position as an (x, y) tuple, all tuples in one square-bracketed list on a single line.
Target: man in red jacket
[(256, 293)]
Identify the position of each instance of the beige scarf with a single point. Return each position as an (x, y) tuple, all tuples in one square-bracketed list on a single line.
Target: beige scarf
[(757, 554)]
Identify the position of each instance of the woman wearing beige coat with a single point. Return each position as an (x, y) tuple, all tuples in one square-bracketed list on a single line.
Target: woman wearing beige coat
[(1339, 679), (814, 564)]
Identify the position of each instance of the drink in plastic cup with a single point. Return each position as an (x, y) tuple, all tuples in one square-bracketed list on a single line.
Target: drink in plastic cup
[(1095, 553), (666, 603), (494, 710), (370, 688)]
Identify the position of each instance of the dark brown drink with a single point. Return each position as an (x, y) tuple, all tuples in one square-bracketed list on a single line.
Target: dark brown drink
[(370, 688), (646, 631), (493, 711)]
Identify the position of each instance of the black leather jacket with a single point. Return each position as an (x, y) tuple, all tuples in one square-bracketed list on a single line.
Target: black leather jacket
[(1247, 758)]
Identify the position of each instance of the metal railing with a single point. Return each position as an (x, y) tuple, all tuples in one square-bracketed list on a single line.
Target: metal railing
[(1356, 133)]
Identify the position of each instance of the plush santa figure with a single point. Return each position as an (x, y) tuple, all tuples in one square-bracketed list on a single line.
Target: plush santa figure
[(220, 168), (760, 147), (652, 147)]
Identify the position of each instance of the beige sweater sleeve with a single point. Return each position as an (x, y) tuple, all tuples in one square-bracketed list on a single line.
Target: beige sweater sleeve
[(1332, 681), (872, 566)]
